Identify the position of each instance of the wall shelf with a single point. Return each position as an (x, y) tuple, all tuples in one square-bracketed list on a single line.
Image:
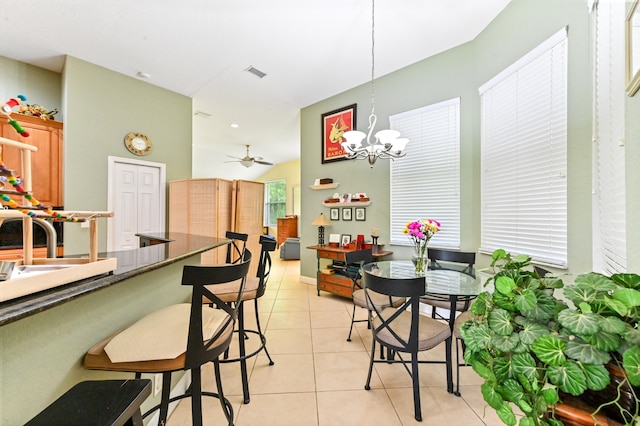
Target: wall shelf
[(325, 186), (351, 204)]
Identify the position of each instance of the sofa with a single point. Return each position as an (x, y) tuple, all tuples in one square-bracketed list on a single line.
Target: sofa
[(290, 249)]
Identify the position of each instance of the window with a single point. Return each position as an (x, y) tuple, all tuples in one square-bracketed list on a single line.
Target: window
[(609, 193), (524, 155), (275, 201), (425, 184)]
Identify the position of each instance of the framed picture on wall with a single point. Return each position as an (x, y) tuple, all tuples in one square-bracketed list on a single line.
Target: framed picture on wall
[(361, 213), (334, 124), (346, 213), (335, 214)]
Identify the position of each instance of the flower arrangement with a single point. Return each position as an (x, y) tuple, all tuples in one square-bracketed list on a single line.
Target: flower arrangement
[(420, 232)]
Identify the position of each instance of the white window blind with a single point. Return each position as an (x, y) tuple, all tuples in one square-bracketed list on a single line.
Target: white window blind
[(609, 222), (524, 155), (425, 184)]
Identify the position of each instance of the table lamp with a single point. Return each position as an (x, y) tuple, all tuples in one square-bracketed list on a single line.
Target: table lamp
[(321, 221)]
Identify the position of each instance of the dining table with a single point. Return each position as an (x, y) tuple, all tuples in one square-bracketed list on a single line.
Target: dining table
[(452, 281)]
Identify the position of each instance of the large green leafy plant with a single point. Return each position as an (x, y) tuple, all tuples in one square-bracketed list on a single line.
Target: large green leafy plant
[(528, 344)]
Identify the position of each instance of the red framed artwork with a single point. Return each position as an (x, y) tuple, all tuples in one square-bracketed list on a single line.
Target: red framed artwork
[(334, 124)]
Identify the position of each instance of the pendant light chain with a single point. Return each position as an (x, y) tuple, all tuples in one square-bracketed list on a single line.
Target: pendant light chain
[(373, 56), (385, 143)]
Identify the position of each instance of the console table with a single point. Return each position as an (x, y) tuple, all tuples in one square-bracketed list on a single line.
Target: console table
[(336, 283)]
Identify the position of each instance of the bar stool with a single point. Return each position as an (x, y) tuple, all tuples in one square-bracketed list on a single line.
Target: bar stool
[(254, 289), (178, 338), (99, 403)]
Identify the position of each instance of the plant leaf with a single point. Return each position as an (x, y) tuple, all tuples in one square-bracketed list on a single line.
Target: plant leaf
[(502, 368), (479, 306), (627, 280), (612, 325), (628, 296), (531, 331), (595, 281), (578, 322), (616, 305), (500, 322), (583, 351), (544, 310), (482, 370), (526, 300), (505, 412), (579, 294), (505, 343), (511, 390), (597, 376), (492, 397), (568, 377), (524, 364), (476, 338), (604, 341), (505, 284), (526, 421), (631, 364), (549, 349), (631, 336), (550, 396)]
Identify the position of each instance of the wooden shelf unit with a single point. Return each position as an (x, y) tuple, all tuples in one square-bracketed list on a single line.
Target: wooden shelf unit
[(335, 283)]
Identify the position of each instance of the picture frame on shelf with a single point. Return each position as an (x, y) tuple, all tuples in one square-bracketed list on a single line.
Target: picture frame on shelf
[(334, 124), (346, 213), (334, 238), (345, 240), (334, 213), (361, 213)]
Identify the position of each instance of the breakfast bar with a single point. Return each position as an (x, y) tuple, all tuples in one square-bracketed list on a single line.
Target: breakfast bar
[(44, 336)]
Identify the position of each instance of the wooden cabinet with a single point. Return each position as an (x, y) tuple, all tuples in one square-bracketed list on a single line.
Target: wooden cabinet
[(213, 206), (335, 283), (46, 163), (287, 228)]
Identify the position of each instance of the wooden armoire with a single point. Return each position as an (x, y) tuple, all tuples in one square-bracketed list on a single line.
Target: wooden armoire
[(212, 206)]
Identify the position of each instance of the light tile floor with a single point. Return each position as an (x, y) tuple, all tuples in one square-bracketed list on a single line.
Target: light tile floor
[(318, 377)]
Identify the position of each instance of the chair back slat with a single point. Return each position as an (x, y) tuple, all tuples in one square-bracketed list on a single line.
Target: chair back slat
[(268, 244), (236, 249), (198, 350), (466, 257)]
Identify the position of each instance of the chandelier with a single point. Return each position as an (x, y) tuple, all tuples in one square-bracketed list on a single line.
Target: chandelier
[(387, 143)]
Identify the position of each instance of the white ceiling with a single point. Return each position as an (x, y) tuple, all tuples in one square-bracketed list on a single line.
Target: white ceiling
[(309, 49)]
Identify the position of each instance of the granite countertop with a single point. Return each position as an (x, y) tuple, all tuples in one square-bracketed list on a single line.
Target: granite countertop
[(130, 264)]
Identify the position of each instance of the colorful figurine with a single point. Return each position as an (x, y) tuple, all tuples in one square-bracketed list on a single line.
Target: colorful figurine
[(6, 111)]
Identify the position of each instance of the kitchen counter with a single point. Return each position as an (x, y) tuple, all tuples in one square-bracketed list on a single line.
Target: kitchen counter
[(130, 264)]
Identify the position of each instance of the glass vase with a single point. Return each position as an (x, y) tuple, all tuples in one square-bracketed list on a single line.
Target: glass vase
[(420, 260)]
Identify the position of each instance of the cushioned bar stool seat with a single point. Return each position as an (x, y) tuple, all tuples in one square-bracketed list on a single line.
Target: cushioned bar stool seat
[(97, 403)]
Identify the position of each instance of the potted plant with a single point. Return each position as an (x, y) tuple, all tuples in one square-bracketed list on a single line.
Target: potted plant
[(530, 345)]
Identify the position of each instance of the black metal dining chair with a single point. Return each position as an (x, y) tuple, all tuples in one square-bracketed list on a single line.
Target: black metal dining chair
[(403, 329), (353, 269), (438, 259)]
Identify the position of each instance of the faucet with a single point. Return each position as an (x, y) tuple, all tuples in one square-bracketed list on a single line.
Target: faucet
[(50, 231)]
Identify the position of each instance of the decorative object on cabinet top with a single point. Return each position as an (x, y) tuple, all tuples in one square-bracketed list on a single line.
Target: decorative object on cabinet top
[(137, 143)]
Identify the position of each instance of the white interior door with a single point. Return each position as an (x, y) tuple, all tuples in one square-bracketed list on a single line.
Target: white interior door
[(137, 199)]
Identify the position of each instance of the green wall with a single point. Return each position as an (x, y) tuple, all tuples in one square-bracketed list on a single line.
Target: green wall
[(101, 107), (42, 354), (459, 72)]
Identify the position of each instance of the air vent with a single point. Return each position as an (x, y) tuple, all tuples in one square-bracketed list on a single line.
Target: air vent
[(255, 71)]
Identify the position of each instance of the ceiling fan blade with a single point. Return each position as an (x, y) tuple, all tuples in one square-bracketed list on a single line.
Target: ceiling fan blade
[(266, 163), (237, 158), (232, 161)]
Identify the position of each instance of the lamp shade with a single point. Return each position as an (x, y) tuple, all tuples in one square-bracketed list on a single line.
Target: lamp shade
[(321, 220)]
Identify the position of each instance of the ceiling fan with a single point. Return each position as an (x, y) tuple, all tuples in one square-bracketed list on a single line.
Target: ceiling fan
[(248, 161)]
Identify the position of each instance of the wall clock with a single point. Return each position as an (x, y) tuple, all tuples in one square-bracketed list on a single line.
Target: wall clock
[(137, 143)]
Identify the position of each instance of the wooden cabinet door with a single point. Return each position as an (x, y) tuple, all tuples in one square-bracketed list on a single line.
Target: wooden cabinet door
[(46, 162)]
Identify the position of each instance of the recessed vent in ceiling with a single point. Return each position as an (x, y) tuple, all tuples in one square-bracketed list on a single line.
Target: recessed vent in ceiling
[(255, 71)]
